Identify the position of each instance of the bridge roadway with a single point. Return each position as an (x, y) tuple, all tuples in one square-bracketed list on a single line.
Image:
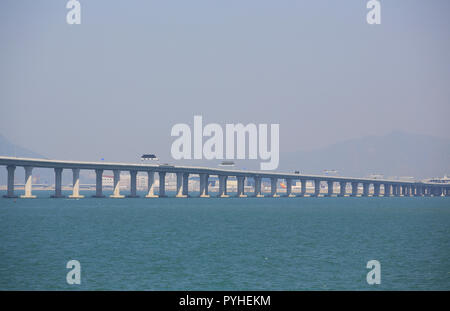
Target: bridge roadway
[(389, 187)]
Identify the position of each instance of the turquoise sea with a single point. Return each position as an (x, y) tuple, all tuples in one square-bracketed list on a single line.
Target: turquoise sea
[(224, 244)]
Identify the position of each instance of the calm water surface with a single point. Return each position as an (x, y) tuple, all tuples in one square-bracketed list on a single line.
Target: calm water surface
[(225, 244)]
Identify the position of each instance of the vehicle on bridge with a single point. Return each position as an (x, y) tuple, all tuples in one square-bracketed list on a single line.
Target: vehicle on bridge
[(226, 163), (149, 156)]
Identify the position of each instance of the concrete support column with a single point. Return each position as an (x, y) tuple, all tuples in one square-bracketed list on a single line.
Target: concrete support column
[(342, 190), (204, 185), (258, 193), (186, 184), (273, 187), (316, 188), (28, 183), (10, 193), (394, 190), (330, 188), (403, 190), (76, 184), (162, 184), (58, 183), (397, 190), (241, 187), (376, 190), (387, 190), (180, 186), (365, 189), (98, 184), (432, 191), (133, 177), (354, 189), (303, 185), (116, 187), (289, 188), (418, 191), (223, 186), (151, 185)]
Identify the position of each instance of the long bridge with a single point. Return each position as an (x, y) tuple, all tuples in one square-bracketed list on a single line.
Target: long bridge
[(388, 187)]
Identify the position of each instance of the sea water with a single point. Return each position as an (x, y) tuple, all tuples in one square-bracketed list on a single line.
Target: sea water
[(224, 244)]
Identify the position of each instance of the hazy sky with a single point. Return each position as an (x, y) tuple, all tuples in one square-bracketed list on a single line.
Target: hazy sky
[(115, 85)]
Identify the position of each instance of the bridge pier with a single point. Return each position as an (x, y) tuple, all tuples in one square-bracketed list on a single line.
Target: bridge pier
[(162, 184), (116, 187), (204, 186), (133, 177), (330, 189), (387, 190), (180, 179), (273, 187), (303, 188), (58, 183), (28, 183), (438, 191), (258, 193), (316, 193), (342, 190), (365, 189), (186, 184), (98, 184), (151, 185), (10, 193), (223, 186), (376, 189), (76, 185), (407, 190), (289, 193), (402, 190), (241, 187), (394, 190), (354, 189)]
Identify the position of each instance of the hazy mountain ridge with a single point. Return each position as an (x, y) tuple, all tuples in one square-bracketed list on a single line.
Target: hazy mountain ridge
[(395, 154), (10, 149)]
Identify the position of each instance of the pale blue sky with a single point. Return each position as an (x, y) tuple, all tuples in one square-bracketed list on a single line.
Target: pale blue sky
[(115, 85)]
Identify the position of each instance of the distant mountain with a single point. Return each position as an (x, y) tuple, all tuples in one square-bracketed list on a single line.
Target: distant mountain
[(395, 154), (7, 148)]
